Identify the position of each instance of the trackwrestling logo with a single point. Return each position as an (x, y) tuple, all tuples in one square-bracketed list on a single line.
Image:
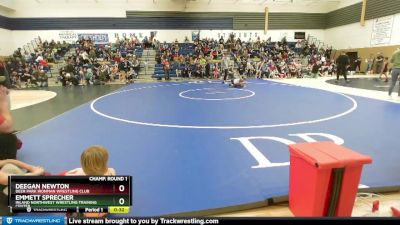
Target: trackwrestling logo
[(32, 220)]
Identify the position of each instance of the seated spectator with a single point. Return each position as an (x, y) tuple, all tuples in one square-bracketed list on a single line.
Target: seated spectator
[(44, 63), (39, 58), (88, 75), (135, 64), (264, 70), (124, 68), (115, 74), (131, 74), (273, 70), (15, 81), (315, 71), (104, 73), (293, 72), (10, 167), (250, 70), (42, 79)]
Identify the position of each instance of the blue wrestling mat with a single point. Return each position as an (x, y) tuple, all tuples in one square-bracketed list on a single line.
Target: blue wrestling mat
[(194, 146)]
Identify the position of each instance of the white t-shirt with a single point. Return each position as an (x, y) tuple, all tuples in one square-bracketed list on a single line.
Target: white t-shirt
[(236, 81), (39, 58), (80, 172)]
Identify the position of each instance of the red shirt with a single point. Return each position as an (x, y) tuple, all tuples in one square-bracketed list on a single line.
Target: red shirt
[(44, 63), (117, 59), (166, 64), (2, 119)]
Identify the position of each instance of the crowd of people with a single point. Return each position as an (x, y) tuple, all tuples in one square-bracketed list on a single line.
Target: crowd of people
[(98, 64), (210, 58), (214, 59), (26, 69)]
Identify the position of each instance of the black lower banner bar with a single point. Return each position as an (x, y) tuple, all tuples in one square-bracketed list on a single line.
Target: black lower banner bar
[(61, 220), (239, 220)]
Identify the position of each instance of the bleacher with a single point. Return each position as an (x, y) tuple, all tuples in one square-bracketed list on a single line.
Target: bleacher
[(137, 51), (159, 71), (186, 49)]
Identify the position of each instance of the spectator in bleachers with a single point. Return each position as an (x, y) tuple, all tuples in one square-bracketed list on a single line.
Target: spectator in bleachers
[(88, 73), (42, 79), (316, 69), (104, 73), (115, 72), (124, 67), (39, 58), (245, 54), (167, 67), (135, 64), (216, 71), (131, 75)]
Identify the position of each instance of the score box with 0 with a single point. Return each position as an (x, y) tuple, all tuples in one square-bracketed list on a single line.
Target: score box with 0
[(70, 191)]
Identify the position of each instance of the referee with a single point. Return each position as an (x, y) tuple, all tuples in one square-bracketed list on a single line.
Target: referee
[(343, 62)]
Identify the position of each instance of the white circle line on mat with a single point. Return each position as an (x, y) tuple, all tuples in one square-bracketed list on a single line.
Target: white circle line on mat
[(348, 111)]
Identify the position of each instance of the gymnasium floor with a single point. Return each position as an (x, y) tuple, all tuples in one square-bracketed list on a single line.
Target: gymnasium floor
[(371, 83), (202, 146)]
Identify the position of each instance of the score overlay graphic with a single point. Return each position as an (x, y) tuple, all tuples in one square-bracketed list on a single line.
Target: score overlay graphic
[(70, 194)]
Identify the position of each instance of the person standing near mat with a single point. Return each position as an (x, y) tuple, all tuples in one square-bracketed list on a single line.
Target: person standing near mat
[(225, 66), (343, 62), (357, 64), (379, 63), (385, 70), (9, 143), (395, 60), (167, 67)]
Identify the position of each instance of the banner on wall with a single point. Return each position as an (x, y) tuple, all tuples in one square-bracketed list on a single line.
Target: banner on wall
[(68, 36), (382, 30), (96, 38), (195, 35), (244, 35)]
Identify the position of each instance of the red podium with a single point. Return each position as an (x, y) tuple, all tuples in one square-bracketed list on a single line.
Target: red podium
[(324, 179)]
